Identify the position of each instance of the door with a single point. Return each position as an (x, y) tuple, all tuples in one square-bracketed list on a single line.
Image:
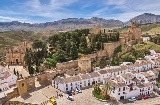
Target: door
[(16, 61), (122, 97)]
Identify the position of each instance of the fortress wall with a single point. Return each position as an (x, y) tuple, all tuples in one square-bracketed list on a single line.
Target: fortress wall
[(129, 48), (110, 47), (67, 65), (91, 56), (30, 83), (102, 53), (122, 41)]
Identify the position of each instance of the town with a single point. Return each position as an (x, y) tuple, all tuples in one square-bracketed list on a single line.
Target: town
[(24, 80)]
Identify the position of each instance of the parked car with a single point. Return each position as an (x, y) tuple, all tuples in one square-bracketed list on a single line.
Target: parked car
[(139, 98), (70, 98), (132, 99), (69, 93), (150, 96), (53, 101), (78, 90), (144, 97)]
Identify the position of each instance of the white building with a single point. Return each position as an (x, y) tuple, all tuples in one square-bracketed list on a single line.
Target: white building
[(80, 81), (129, 85), (129, 74), (6, 79)]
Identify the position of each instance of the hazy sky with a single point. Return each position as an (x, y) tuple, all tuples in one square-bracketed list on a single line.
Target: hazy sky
[(36, 11)]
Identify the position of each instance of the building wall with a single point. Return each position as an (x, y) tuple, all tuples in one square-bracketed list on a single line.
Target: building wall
[(16, 54), (11, 80)]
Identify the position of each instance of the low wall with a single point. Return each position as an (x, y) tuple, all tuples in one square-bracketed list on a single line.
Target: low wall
[(102, 53), (67, 65), (13, 94)]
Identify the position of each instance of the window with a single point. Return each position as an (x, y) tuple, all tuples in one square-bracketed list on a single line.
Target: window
[(66, 86), (22, 84), (123, 92), (71, 84), (118, 93), (123, 88), (119, 89)]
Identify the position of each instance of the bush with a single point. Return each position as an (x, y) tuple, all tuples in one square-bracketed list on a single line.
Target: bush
[(158, 85)]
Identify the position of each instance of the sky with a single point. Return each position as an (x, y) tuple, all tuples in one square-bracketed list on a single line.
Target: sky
[(40, 11)]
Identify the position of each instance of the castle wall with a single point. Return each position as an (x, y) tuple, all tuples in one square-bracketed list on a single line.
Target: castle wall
[(122, 41), (30, 83), (92, 56), (85, 65), (110, 47), (12, 94), (67, 65), (102, 53), (127, 49), (22, 86)]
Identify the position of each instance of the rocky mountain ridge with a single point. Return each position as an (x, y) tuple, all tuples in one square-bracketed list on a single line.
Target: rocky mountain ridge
[(76, 23)]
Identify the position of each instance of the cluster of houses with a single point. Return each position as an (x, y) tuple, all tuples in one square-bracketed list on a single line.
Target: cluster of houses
[(7, 79), (127, 81)]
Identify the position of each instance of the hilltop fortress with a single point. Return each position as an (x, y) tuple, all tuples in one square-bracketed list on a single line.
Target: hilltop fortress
[(16, 54), (82, 65)]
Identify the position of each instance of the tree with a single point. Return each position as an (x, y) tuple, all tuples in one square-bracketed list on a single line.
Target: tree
[(73, 51), (83, 45), (103, 62), (158, 78), (37, 44), (14, 71), (37, 69), (21, 75), (106, 90), (97, 88), (17, 74)]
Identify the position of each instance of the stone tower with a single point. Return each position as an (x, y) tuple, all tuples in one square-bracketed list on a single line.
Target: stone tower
[(135, 31), (22, 86), (85, 64)]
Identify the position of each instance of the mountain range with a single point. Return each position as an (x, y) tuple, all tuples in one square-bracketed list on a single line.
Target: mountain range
[(76, 23)]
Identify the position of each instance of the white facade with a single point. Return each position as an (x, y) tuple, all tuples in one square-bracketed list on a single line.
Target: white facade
[(7, 77), (84, 80), (4, 87), (129, 85)]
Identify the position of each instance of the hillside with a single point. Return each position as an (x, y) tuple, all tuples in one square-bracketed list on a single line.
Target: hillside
[(11, 38), (150, 29)]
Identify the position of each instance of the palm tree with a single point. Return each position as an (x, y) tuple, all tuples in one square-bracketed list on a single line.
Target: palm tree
[(106, 90), (96, 88)]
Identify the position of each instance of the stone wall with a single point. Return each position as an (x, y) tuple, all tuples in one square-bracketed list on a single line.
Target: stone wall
[(92, 56), (30, 82), (42, 79), (85, 64), (102, 53), (67, 65), (127, 49), (22, 86), (110, 47), (13, 94)]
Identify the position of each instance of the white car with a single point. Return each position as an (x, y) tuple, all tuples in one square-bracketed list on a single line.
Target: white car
[(132, 99)]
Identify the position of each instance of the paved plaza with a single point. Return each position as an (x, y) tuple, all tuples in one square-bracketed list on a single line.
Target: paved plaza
[(85, 98), (38, 97)]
